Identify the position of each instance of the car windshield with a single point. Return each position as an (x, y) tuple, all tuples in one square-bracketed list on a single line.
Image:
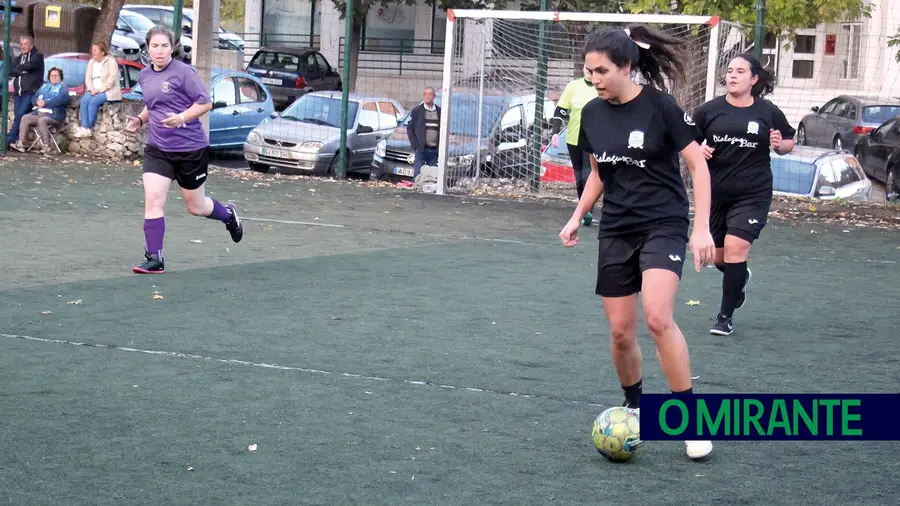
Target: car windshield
[(319, 110), (792, 176), (73, 70), (138, 22), (879, 113), (464, 119)]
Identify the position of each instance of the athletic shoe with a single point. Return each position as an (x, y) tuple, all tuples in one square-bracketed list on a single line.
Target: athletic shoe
[(152, 265), (234, 226), (743, 296), (723, 326), (588, 220), (698, 449)]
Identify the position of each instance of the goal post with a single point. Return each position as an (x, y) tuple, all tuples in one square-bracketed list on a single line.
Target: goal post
[(499, 63)]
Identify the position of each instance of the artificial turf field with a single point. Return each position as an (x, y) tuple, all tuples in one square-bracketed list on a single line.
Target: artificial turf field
[(385, 347)]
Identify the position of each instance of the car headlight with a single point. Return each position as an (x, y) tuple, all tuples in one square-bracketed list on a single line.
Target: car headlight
[(254, 138), (461, 160), (310, 147), (381, 148)]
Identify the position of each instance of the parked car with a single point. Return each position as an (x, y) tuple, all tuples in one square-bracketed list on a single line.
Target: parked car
[(306, 136), (292, 73), (240, 103), (841, 122), (507, 117), (123, 47), (556, 165), (165, 15), (879, 154), (74, 67), (135, 26), (821, 174)]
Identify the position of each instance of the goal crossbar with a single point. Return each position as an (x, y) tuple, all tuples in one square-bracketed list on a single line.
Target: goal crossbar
[(454, 16)]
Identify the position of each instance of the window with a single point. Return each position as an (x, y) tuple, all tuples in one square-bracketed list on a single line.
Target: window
[(805, 44), (512, 119), (804, 48), (313, 109), (250, 92), (73, 70), (134, 75), (368, 116), (390, 28), (844, 173), (280, 61), (223, 91), (322, 63), (849, 43), (880, 113), (802, 69), (387, 115)]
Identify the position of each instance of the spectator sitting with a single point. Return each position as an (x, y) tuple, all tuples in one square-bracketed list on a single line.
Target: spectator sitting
[(101, 84), (50, 104)]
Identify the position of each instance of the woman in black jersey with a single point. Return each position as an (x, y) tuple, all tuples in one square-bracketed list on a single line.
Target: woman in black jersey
[(739, 129), (635, 133)]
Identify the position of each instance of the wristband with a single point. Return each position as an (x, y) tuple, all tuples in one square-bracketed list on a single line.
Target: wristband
[(183, 121)]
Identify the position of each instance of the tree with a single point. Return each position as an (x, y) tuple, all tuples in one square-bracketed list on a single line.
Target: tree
[(894, 41), (106, 23), (361, 10)]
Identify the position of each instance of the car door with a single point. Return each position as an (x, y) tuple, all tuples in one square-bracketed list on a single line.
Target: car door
[(364, 148), (815, 124), (311, 72), (836, 122), (511, 142), (224, 121), (253, 106), (874, 157), (331, 80)]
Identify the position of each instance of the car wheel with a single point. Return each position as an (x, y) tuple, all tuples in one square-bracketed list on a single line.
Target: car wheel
[(801, 135), (892, 183), (258, 167), (837, 143)]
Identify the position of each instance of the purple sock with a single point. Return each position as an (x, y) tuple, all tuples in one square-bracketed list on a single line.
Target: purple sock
[(153, 232), (219, 212)]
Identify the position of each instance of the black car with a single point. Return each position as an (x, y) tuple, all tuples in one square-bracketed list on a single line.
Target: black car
[(291, 73), (879, 154)]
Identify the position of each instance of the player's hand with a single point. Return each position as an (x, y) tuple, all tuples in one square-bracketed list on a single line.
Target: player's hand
[(40, 103), (569, 233), (703, 248), (775, 139), (555, 140), (707, 150), (172, 120), (134, 124)]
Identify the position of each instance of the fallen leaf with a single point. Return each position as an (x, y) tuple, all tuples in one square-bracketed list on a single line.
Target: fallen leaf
[(190, 468), (46, 312), (196, 241), (252, 448), (157, 296), (693, 303), (73, 302)]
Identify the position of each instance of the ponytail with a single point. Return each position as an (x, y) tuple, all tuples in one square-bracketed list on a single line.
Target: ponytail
[(653, 54)]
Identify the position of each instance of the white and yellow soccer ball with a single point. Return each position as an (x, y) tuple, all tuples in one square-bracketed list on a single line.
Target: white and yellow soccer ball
[(617, 433)]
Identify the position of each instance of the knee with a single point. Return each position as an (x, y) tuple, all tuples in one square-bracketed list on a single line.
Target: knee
[(154, 200), (736, 249), (659, 322), (622, 334), (196, 208)]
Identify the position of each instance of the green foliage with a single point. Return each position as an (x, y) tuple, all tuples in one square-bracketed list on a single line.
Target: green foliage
[(782, 17), (894, 41)]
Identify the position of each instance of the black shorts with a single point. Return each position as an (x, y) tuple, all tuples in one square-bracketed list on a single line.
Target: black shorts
[(188, 168), (744, 219), (624, 258)]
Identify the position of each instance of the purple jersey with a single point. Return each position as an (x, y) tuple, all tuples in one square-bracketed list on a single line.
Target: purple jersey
[(173, 89)]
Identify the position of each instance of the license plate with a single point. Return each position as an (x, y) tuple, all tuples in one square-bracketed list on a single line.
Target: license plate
[(275, 153), (401, 171), (269, 80)]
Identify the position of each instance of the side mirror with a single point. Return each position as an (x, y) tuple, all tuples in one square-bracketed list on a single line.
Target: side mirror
[(826, 191), (219, 104), (814, 108), (510, 135), (186, 29), (364, 129), (273, 115)]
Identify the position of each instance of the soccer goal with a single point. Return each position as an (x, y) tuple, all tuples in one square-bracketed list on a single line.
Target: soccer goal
[(500, 64)]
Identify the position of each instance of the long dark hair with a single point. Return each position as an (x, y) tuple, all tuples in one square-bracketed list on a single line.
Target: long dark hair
[(665, 58), (766, 82)]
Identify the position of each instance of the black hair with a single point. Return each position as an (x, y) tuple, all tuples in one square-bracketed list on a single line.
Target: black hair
[(766, 82), (62, 76), (665, 58)]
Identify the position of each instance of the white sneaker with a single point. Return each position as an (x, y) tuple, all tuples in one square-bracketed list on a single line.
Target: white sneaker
[(698, 449)]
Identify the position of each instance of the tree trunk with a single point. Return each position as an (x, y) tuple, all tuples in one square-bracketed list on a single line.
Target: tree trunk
[(355, 45), (106, 23)]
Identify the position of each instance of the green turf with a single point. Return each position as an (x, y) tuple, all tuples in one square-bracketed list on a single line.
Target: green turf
[(371, 325)]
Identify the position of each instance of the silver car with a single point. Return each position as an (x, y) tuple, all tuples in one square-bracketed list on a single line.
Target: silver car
[(305, 137), (843, 120), (820, 174)]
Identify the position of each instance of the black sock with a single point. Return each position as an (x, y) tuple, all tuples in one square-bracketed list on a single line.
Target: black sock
[(633, 394), (732, 286)]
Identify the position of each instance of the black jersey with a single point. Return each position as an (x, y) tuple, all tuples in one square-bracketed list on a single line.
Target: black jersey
[(636, 145), (740, 165)]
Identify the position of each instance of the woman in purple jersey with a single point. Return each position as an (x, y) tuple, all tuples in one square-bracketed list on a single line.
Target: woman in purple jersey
[(177, 146)]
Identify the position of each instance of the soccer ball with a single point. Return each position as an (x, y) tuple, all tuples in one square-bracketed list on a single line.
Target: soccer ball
[(617, 433)]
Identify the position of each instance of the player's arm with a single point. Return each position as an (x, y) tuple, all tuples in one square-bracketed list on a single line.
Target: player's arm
[(785, 144), (561, 113), (201, 103), (696, 163)]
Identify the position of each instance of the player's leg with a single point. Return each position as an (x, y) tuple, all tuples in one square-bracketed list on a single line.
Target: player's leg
[(191, 172), (745, 222), (618, 282), (157, 178), (576, 156), (662, 259)]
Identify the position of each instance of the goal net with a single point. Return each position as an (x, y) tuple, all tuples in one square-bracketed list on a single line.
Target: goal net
[(499, 65)]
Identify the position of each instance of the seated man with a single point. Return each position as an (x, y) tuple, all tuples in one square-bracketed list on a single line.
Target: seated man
[(50, 104)]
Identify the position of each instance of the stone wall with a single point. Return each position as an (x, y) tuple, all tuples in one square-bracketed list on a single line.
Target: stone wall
[(110, 140)]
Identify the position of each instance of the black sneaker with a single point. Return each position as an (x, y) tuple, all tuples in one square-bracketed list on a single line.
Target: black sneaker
[(234, 226), (152, 265), (743, 296), (723, 326)]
